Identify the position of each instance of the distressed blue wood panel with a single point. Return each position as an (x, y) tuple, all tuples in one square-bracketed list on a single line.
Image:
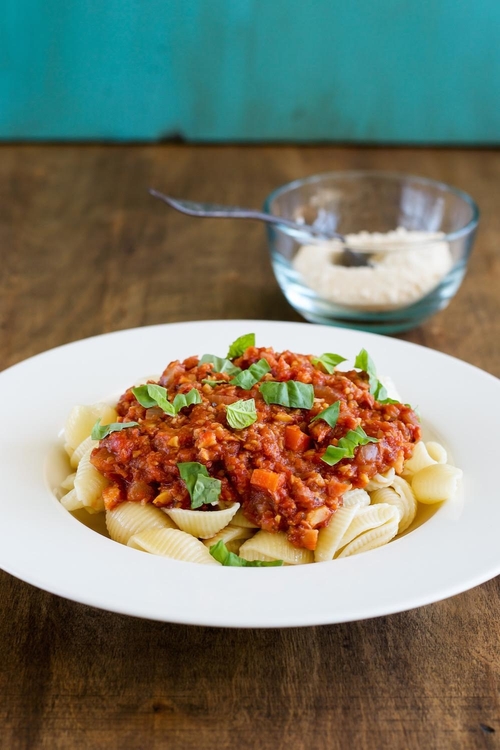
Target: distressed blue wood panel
[(365, 70)]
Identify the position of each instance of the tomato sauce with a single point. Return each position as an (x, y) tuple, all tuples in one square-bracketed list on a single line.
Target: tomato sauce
[(274, 467)]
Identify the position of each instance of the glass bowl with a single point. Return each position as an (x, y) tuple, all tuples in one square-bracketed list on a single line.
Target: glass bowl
[(421, 233)]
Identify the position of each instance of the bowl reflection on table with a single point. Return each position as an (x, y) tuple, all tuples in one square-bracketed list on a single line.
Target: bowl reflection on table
[(410, 274)]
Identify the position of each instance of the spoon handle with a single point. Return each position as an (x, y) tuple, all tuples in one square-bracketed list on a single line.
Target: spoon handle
[(215, 211)]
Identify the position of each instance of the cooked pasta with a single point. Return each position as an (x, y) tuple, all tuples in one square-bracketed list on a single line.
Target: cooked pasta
[(172, 543), (232, 536), (329, 537), (89, 484), (128, 519), (202, 525), (267, 547), (320, 487), (436, 483)]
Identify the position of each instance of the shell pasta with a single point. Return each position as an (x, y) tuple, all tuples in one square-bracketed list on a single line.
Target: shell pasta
[(230, 462)]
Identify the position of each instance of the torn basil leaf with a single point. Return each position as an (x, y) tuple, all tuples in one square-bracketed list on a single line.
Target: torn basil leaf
[(241, 414), (346, 446), (246, 379), (329, 361), (241, 344), (292, 393), (220, 364), (221, 553), (186, 399), (364, 362), (329, 415), (203, 489), (155, 395), (99, 432)]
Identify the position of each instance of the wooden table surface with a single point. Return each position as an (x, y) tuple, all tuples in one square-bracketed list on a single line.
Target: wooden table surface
[(85, 250)]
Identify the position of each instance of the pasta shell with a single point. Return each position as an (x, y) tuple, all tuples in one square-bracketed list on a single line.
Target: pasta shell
[(240, 520), (436, 483), (419, 460), (400, 496), (353, 498), (89, 484), (174, 544), (82, 419), (266, 546), (329, 537), (129, 518), (69, 482), (380, 480), (202, 524), (70, 501), (228, 535), (372, 539), (367, 519), (81, 449), (437, 452)]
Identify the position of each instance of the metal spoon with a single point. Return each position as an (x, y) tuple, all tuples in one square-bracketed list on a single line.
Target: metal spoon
[(304, 231)]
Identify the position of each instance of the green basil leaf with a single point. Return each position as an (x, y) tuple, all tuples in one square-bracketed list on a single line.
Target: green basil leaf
[(143, 397), (99, 432), (213, 383), (364, 362), (292, 393), (241, 344), (221, 553), (220, 364), (186, 399), (203, 489), (329, 361), (241, 414), (333, 455), (246, 379), (346, 446), (330, 414), (154, 395)]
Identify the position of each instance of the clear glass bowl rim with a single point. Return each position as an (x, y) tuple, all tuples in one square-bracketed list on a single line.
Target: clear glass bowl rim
[(383, 175)]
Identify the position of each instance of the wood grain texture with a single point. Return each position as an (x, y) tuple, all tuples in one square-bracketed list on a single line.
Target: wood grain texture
[(84, 250)]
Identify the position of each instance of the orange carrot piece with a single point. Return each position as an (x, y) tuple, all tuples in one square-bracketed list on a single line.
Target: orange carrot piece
[(295, 439), (266, 480)]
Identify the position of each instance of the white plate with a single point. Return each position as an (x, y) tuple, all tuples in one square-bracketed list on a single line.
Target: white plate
[(41, 543)]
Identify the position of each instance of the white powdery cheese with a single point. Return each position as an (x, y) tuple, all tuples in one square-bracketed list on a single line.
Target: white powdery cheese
[(406, 265)]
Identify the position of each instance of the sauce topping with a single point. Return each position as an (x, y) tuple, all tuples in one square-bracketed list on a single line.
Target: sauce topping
[(273, 467)]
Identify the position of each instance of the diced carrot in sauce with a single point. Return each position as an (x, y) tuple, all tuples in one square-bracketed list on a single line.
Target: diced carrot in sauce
[(266, 480), (295, 439)]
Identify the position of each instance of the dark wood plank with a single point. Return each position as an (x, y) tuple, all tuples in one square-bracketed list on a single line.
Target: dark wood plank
[(85, 250)]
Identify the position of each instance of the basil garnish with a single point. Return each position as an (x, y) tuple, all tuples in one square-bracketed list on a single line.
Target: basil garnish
[(155, 395), (292, 393), (329, 415), (203, 489), (221, 553), (346, 446), (186, 399), (220, 364), (99, 432), (213, 383), (329, 361), (364, 362), (247, 378), (241, 414), (150, 395), (241, 344)]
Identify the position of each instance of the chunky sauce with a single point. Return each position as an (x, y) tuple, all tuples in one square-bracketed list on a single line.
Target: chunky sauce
[(274, 467)]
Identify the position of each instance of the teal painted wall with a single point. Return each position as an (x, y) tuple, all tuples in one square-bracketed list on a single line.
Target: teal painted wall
[(422, 71)]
